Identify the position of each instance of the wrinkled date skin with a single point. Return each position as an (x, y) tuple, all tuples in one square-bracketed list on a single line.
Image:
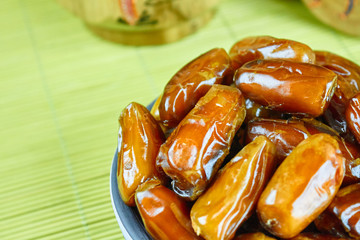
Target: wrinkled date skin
[(285, 134), (266, 47), (164, 214), (253, 236), (302, 187), (287, 86), (196, 148), (346, 207), (192, 82), (352, 115), (316, 236), (139, 141), (218, 214)]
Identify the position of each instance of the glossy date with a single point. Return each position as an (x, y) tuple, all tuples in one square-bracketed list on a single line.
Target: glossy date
[(285, 134), (348, 86), (164, 214), (266, 47), (287, 86), (196, 148), (334, 115), (139, 141), (346, 207), (192, 82), (302, 187), (352, 115), (216, 215), (349, 70)]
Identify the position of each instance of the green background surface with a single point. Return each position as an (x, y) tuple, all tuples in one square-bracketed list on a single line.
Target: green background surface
[(62, 90)]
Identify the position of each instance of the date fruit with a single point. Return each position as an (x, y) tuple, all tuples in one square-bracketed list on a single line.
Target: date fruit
[(349, 70), (348, 86), (164, 214), (346, 207), (334, 115), (351, 154), (266, 47), (287, 86), (349, 151), (216, 215), (155, 113), (302, 187), (352, 115), (139, 141), (196, 148), (285, 134), (192, 82), (155, 109)]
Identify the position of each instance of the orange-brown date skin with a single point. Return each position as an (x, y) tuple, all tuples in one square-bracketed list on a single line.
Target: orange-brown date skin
[(351, 154), (350, 151), (196, 148), (253, 236), (192, 82), (302, 187), (346, 207), (316, 236), (155, 109), (352, 115), (349, 70), (139, 141), (287, 86), (165, 216), (285, 134), (155, 113), (348, 86), (334, 115), (266, 47), (233, 195)]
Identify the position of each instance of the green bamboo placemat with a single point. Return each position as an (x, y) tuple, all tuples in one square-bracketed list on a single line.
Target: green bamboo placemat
[(62, 90)]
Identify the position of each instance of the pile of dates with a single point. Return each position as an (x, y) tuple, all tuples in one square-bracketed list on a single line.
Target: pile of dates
[(258, 143)]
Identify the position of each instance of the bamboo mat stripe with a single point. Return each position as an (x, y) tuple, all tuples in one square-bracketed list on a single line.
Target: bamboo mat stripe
[(62, 90)]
